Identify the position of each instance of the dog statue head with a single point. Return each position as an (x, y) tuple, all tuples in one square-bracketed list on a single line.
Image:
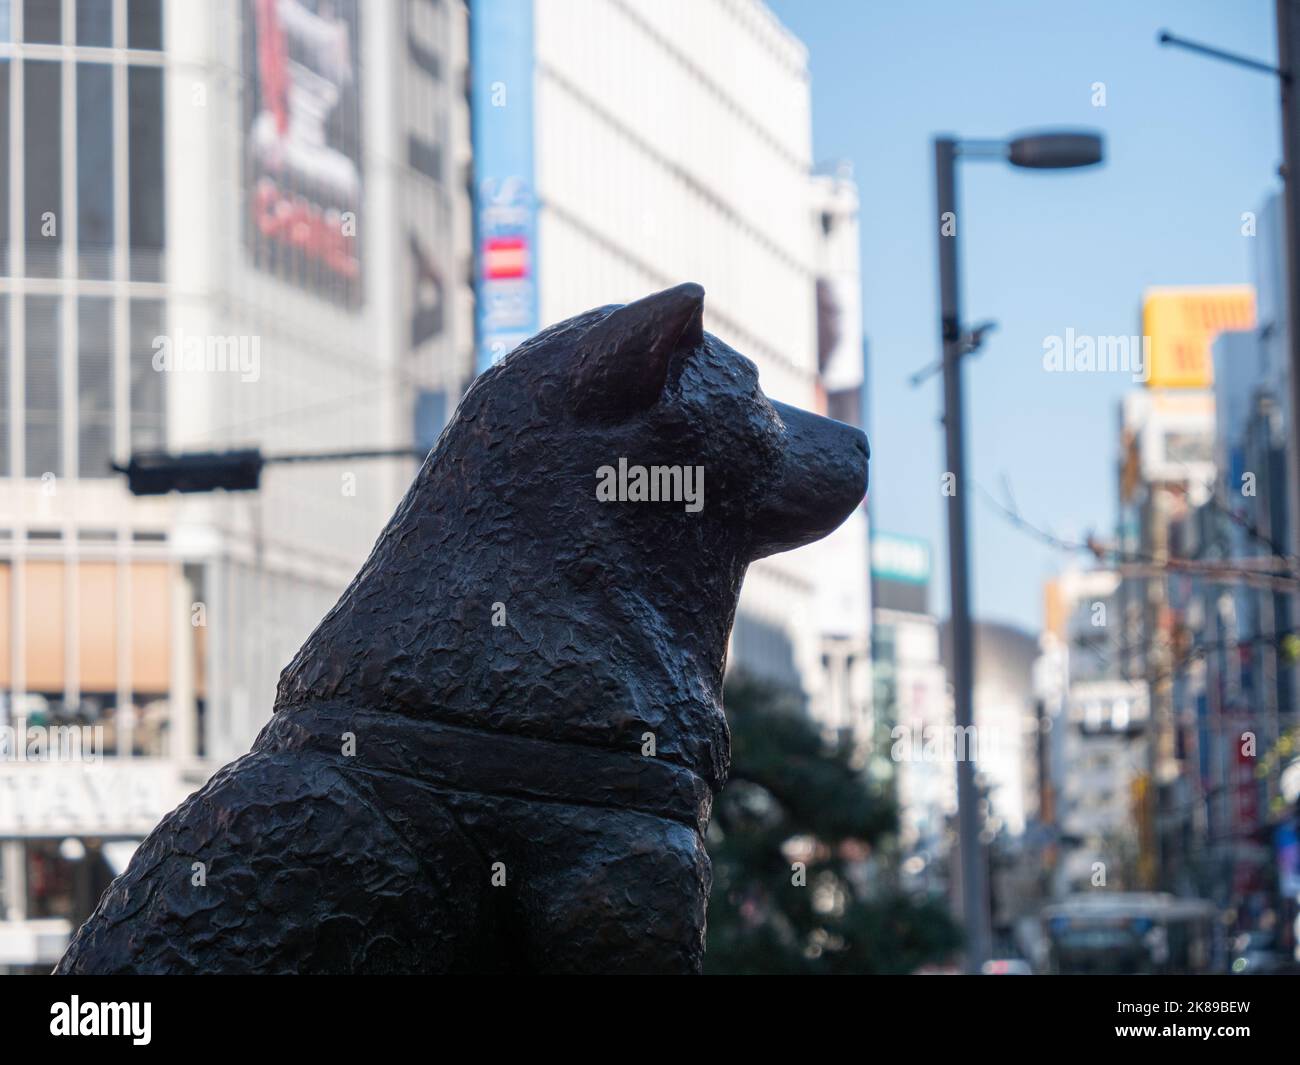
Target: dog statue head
[(646, 383), (568, 560)]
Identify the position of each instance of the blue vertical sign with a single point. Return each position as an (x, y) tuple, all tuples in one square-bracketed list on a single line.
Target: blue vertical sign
[(505, 203)]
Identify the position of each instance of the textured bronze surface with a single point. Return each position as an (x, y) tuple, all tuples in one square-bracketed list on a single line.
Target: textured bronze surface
[(498, 749)]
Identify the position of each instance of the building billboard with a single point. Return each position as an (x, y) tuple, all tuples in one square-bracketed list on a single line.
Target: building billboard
[(900, 558), (501, 58), (302, 144), (1181, 325), (900, 573), (116, 797), (1173, 434)]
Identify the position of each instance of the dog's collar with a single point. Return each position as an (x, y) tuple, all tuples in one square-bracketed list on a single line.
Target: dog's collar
[(480, 760)]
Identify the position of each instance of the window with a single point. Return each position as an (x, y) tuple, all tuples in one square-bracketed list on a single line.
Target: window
[(94, 170), (144, 24), (43, 386), (95, 23), (145, 189), (148, 386), (44, 619), (4, 163), (42, 21), (6, 634), (424, 156), (42, 171), (49, 880), (94, 385), (151, 612), (4, 386)]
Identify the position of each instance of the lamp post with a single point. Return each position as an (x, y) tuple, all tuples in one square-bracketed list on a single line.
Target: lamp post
[(1041, 151)]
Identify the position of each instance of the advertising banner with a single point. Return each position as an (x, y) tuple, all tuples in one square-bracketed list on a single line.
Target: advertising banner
[(1181, 324), (505, 199), (302, 144)]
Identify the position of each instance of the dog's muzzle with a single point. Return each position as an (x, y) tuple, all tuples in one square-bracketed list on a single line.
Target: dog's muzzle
[(820, 480)]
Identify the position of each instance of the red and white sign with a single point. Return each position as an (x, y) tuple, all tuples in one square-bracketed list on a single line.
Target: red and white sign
[(505, 257)]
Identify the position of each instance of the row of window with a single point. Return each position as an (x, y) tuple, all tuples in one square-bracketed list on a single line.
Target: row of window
[(91, 25), (45, 170), (45, 383), (90, 643)]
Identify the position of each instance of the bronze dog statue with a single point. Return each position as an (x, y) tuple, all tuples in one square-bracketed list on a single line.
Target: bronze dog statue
[(497, 752)]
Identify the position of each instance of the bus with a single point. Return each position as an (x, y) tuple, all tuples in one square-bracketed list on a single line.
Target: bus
[(1129, 932)]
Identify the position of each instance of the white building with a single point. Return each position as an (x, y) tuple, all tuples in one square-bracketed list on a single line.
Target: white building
[(623, 146), (1005, 721), (912, 705), (226, 225), (1097, 753), (841, 562)]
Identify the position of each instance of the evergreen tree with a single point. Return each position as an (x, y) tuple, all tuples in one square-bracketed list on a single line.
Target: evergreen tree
[(791, 839)]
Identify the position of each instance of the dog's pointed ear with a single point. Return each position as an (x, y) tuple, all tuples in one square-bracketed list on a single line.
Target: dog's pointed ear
[(621, 363)]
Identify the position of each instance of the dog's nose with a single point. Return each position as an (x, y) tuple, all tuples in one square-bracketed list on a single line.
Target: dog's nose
[(862, 443), (863, 447), (821, 479)]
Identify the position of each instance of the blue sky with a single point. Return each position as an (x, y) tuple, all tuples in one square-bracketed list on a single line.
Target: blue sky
[(1192, 143)]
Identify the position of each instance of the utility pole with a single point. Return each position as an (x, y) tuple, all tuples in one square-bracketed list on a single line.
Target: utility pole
[(975, 910), (1288, 51)]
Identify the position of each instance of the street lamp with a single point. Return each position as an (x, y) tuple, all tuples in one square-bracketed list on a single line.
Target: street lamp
[(1038, 151)]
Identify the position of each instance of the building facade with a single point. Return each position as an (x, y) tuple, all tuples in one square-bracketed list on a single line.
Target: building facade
[(841, 562), (912, 705), (1093, 736), (230, 225), (1167, 472), (1241, 691), (1005, 721)]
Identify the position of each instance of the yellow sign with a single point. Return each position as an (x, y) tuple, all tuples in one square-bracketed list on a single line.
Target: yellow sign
[(1180, 325)]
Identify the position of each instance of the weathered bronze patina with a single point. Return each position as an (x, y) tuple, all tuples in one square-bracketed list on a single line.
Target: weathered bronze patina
[(498, 750)]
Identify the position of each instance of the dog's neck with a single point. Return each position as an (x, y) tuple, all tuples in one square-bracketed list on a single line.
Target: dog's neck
[(470, 612)]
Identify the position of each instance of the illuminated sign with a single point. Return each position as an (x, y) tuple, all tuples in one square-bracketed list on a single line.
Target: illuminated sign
[(302, 132), (1182, 324)]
